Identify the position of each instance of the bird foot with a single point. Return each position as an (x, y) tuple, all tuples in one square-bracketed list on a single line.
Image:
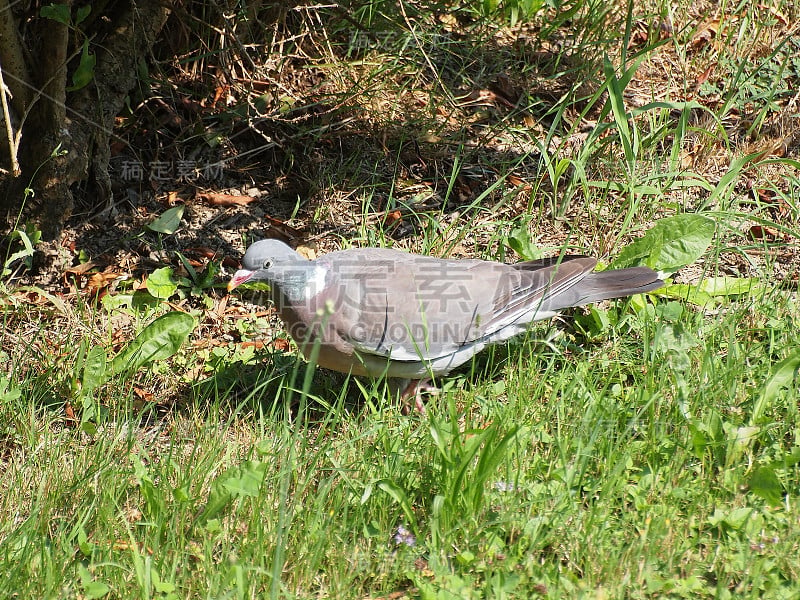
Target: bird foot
[(415, 388)]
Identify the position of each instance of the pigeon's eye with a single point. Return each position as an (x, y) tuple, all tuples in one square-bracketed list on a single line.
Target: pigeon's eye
[(267, 264)]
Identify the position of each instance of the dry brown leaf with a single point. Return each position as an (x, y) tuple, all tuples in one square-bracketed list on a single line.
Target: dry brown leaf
[(202, 251), (505, 91), (307, 252), (281, 344), (257, 344), (144, 395), (640, 36), (285, 232), (217, 199), (393, 216), (221, 93), (222, 306), (772, 148), (705, 33), (703, 77), (230, 263), (191, 106), (766, 196), (98, 283), (81, 268), (777, 204), (775, 13), (70, 419), (483, 98), (763, 232)]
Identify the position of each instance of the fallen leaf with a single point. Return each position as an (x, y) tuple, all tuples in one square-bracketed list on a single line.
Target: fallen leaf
[(230, 263), (393, 216), (201, 251), (217, 199), (191, 106), (144, 395), (284, 231), (505, 90), (763, 232), (306, 252), (705, 33), (81, 268), (767, 196), (257, 344), (98, 283), (640, 34), (166, 115), (775, 13), (70, 419), (703, 77), (281, 344), (220, 92), (463, 188), (222, 306)]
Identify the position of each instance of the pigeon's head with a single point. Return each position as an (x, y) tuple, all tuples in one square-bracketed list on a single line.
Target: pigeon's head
[(268, 261)]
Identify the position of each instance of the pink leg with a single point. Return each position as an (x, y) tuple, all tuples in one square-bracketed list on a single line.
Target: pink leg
[(417, 387)]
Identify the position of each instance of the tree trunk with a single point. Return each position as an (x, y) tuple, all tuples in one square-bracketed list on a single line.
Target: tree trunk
[(79, 123)]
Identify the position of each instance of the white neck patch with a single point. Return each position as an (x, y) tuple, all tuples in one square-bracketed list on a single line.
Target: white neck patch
[(316, 283)]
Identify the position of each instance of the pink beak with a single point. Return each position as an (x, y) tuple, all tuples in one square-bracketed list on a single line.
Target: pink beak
[(239, 278)]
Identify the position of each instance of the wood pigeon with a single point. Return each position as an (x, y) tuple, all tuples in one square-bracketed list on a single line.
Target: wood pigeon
[(384, 312)]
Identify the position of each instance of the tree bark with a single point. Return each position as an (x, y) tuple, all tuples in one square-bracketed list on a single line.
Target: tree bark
[(81, 122)]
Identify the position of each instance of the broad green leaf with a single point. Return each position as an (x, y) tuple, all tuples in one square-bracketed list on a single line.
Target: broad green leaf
[(8, 391), (82, 13), (688, 293), (56, 12), (787, 461), (168, 221), (246, 479), (765, 483), (94, 370), (85, 545), (519, 241), (160, 283), (91, 589), (783, 374), (670, 244), (729, 286), (159, 340), (712, 290), (740, 439), (153, 497), (218, 499), (85, 71), (24, 253), (735, 519)]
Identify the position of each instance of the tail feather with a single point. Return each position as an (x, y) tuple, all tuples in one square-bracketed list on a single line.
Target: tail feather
[(605, 285)]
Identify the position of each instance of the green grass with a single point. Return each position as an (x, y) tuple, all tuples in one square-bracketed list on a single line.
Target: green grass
[(640, 450), (615, 467)]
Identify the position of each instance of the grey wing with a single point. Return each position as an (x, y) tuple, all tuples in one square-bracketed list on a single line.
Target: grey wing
[(420, 308), (537, 291)]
